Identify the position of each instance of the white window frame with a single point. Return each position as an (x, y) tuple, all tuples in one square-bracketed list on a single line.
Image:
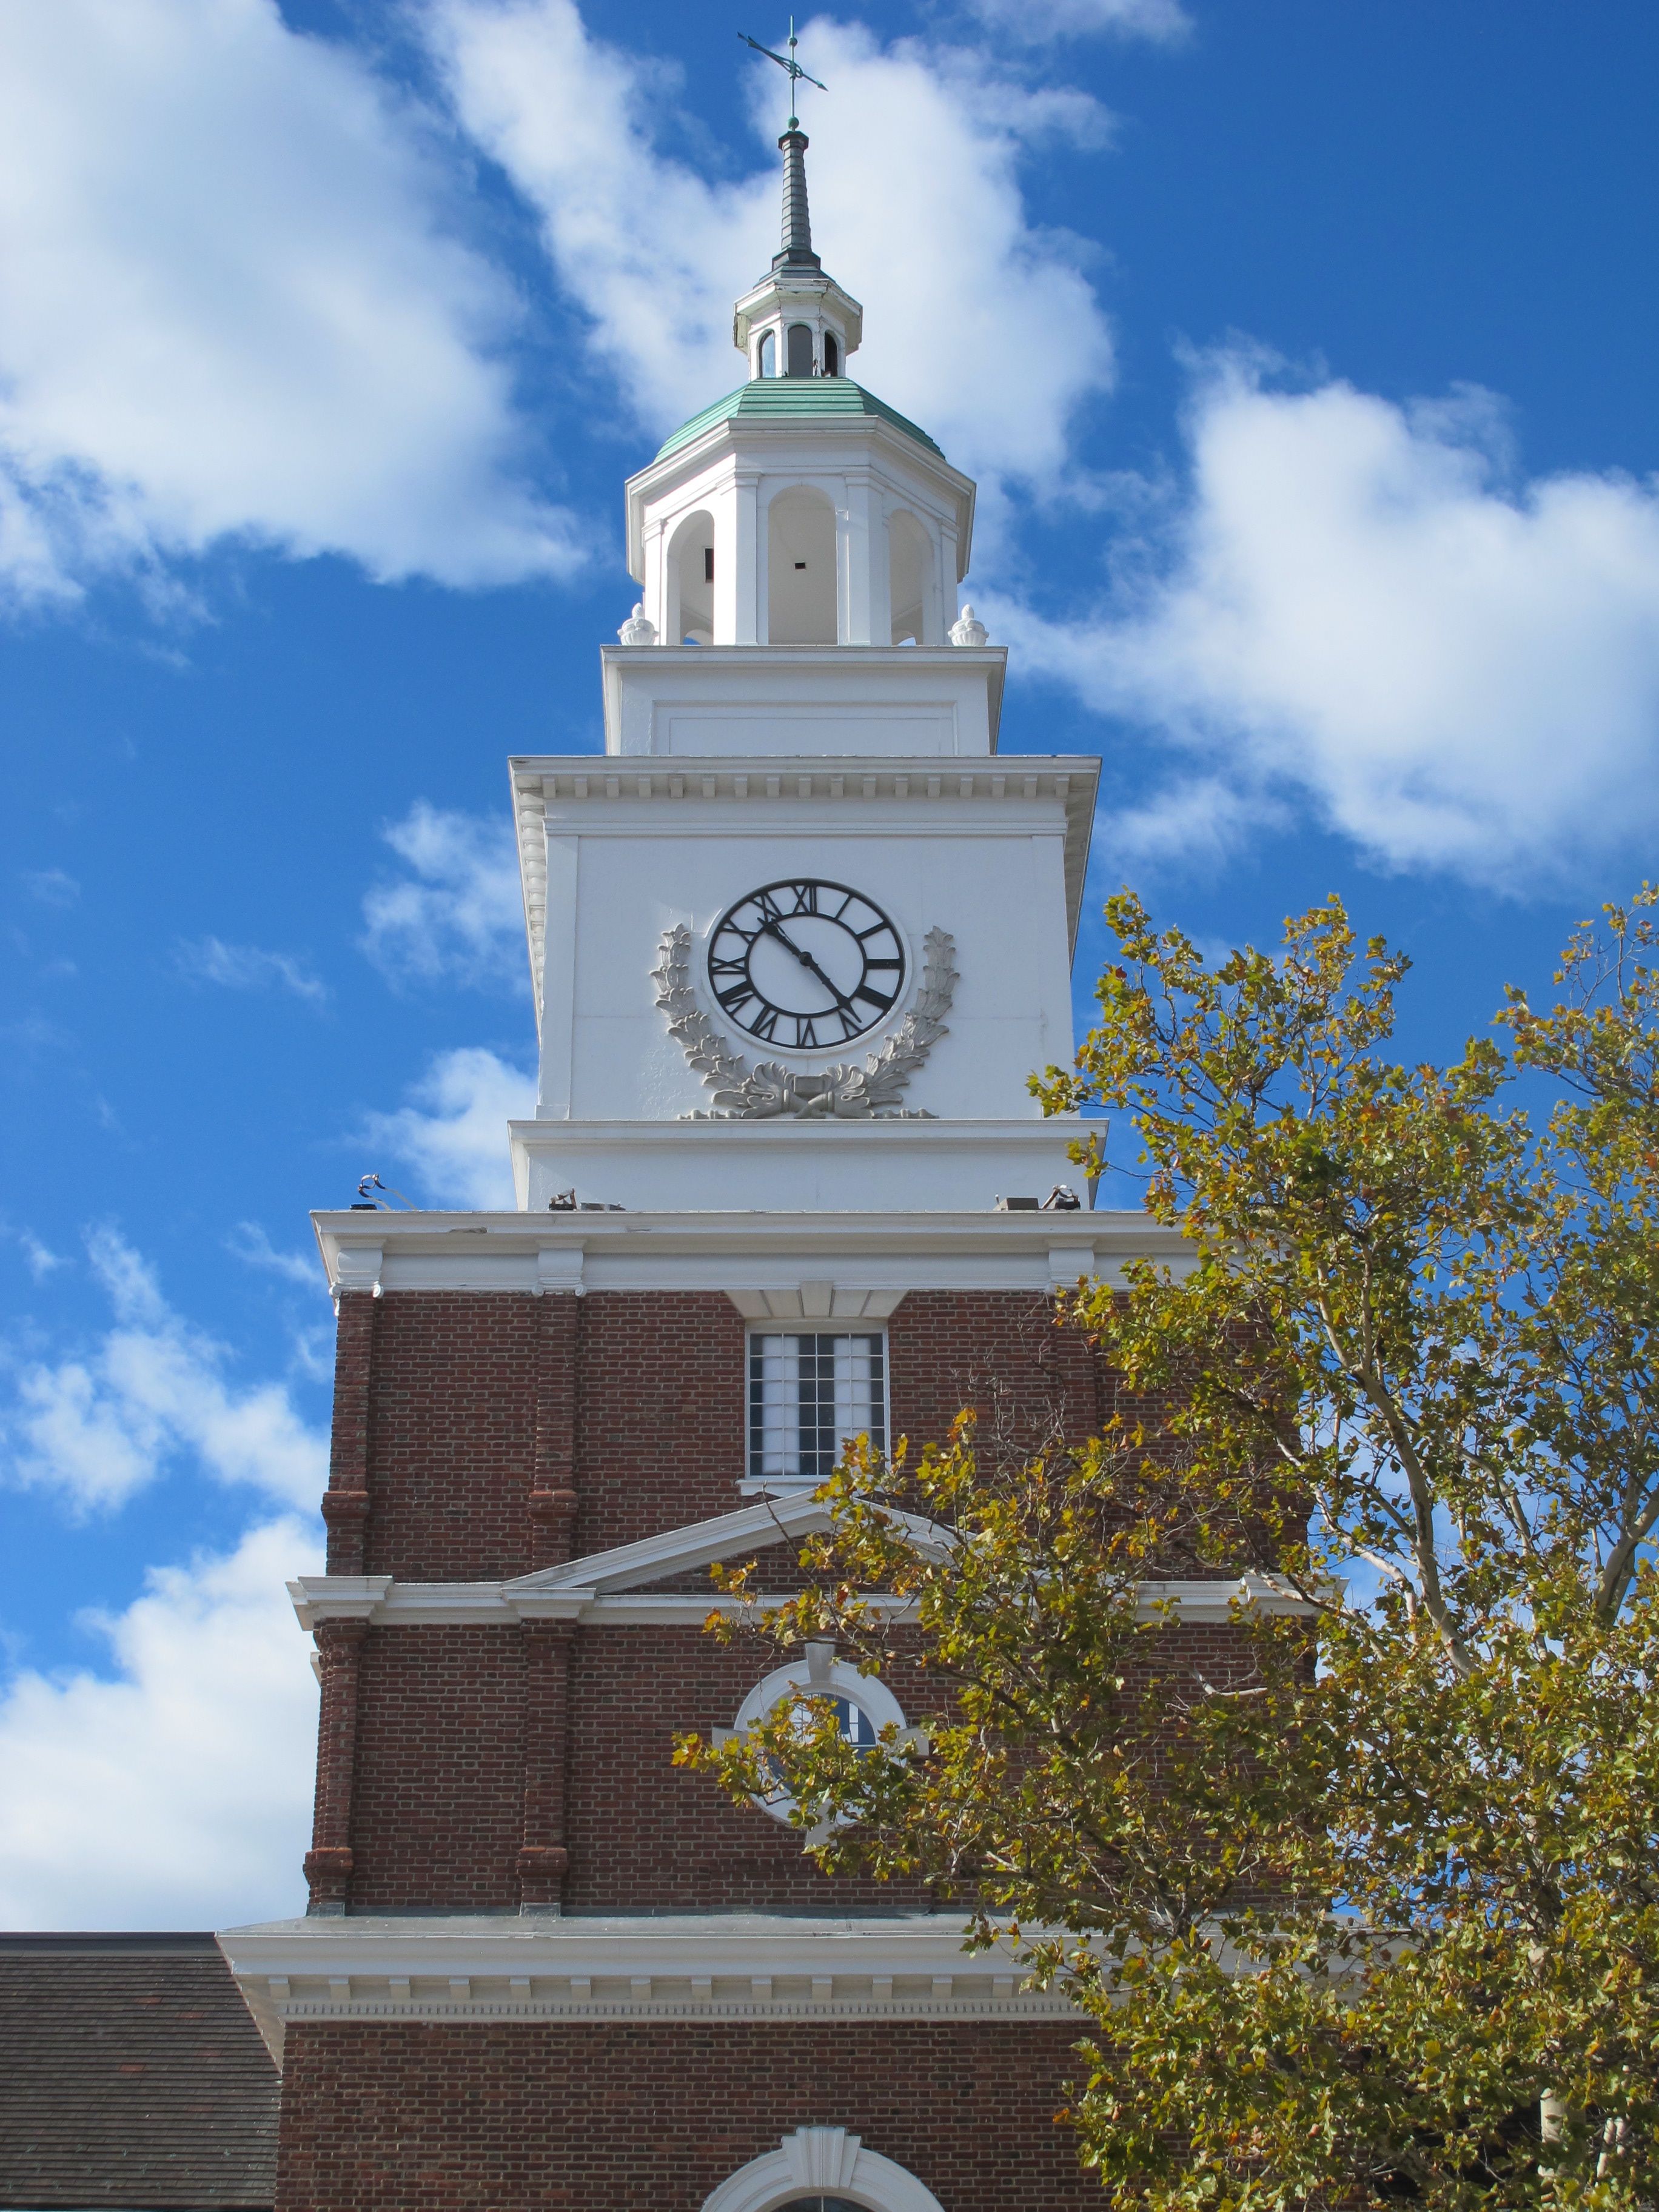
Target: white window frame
[(821, 1675), (755, 1484), (821, 2162)]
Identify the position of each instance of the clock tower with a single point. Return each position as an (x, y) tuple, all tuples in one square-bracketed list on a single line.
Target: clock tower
[(797, 937)]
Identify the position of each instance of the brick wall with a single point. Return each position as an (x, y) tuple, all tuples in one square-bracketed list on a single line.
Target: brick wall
[(437, 1816), (437, 1808), (452, 1433), (997, 1352), (643, 1834), (600, 2117), (479, 1435), (659, 1412), (449, 1443)]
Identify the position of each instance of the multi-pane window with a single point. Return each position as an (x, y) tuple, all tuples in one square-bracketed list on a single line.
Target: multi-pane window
[(855, 1724), (809, 1391)]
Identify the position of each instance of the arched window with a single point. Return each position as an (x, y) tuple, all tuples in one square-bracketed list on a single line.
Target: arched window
[(769, 354), (862, 1706), (831, 354), (910, 572), (691, 597), (800, 569), (800, 350)]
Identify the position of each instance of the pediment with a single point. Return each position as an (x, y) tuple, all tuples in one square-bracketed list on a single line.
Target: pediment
[(659, 1558), (630, 1583)]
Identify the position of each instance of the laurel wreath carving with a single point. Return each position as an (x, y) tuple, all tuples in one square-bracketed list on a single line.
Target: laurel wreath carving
[(846, 1093)]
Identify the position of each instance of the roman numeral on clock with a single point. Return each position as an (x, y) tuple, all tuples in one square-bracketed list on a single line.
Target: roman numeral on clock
[(806, 964)]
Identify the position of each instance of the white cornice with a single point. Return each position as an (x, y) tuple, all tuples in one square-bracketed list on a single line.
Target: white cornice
[(601, 790), (744, 1253), (318, 1598), (591, 1589), (694, 1967)]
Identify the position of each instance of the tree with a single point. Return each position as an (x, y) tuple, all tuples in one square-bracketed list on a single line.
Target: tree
[(1363, 1900)]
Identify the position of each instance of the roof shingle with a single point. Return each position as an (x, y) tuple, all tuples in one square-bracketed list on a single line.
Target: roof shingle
[(131, 2076), (792, 399)]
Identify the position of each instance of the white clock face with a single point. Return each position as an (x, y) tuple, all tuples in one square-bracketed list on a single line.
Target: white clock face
[(805, 965)]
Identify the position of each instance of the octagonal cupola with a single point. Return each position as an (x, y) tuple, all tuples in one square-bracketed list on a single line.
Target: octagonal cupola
[(799, 510)]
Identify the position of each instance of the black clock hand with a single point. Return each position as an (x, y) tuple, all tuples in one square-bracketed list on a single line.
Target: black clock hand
[(808, 962)]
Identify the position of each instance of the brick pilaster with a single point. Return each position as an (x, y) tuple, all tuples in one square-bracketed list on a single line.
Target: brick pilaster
[(345, 1502), (552, 1482), (328, 1863), (543, 1860)]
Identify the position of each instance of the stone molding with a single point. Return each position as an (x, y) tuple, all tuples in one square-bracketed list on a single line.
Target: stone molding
[(745, 1092), (613, 1587), (605, 1587), (608, 783), (690, 1967), (752, 1258), (821, 2160)]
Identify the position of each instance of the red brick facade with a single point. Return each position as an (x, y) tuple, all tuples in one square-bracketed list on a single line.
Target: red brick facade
[(459, 1417), (644, 2117), (500, 1767)]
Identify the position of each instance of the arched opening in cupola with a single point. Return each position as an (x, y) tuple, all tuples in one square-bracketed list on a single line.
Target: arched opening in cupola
[(799, 349), (690, 608), (831, 354), (909, 573), (800, 568), (766, 358)]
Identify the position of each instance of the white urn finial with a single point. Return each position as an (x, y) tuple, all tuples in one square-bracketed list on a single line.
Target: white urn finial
[(968, 630), (639, 628)]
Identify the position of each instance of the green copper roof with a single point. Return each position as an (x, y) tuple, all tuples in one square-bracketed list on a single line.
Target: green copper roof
[(794, 400)]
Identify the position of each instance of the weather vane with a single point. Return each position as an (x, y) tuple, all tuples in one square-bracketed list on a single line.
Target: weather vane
[(787, 64)]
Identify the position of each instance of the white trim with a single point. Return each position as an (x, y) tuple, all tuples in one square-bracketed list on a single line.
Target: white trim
[(823, 1675), (698, 1966), (757, 1258), (818, 1301), (611, 1587), (928, 790), (584, 1588), (817, 1319), (496, 1605), (821, 2162), (700, 1543)]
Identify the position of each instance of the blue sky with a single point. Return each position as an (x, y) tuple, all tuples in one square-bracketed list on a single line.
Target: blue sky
[(1304, 357)]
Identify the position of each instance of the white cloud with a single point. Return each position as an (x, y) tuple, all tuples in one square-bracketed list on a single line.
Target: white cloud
[(250, 1244), (454, 1133), (51, 886), (459, 916), (229, 309), (41, 1259), (178, 1794), (1193, 822), (248, 968), (1358, 607), (152, 1391), (1033, 21), (979, 326)]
